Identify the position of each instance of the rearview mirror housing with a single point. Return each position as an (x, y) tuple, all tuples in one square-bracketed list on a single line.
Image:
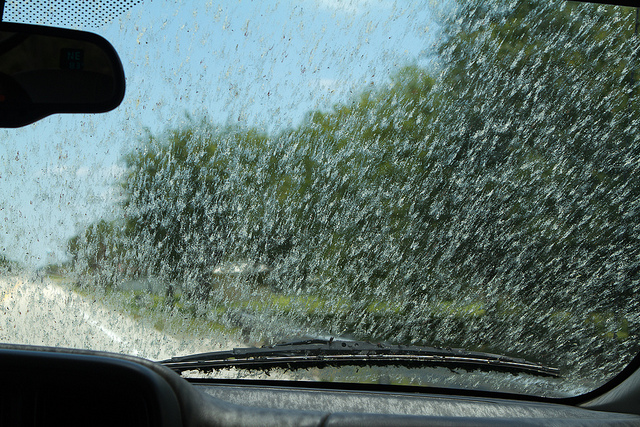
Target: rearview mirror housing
[(45, 70)]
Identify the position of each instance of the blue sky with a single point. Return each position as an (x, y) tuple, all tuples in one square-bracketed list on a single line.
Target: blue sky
[(261, 64)]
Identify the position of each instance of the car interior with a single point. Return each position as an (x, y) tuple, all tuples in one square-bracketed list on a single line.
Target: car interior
[(46, 70)]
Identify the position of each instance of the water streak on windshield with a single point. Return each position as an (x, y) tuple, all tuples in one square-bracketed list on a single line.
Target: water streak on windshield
[(469, 186)]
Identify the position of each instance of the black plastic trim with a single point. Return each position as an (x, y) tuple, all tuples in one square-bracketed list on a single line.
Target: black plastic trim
[(618, 379), (32, 113), (52, 373)]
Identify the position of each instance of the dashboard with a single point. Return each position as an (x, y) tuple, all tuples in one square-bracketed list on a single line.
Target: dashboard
[(53, 386)]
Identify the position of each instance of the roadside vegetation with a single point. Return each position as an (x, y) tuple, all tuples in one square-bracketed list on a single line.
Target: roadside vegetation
[(487, 202), (8, 266)]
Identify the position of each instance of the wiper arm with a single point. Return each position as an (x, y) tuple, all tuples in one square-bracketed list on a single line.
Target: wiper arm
[(321, 353)]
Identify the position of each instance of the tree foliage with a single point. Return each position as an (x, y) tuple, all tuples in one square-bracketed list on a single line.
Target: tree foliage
[(502, 175), (540, 122)]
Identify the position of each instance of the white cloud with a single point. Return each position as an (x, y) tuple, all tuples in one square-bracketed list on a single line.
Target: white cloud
[(352, 6), (82, 172), (328, 84)]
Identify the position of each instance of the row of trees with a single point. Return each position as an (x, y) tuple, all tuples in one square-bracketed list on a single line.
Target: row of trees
[(503, 173)]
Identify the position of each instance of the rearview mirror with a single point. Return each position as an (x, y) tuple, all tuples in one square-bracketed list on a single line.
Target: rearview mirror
[(46, 70)]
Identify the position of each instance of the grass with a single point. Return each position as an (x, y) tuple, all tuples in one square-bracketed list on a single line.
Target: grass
[(179, 316), (170, 315)]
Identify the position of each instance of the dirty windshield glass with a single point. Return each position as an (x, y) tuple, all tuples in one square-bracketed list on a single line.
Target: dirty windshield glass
[(446, 174)]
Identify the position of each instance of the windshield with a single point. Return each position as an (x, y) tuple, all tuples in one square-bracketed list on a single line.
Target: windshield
[(459, 174)]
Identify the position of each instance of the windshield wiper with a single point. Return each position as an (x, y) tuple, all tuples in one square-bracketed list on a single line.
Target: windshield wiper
[(321, 353)]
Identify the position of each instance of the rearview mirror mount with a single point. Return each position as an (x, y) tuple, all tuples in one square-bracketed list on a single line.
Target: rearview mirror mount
[(45, 70)]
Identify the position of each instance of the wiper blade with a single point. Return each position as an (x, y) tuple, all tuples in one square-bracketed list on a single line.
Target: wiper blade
[(322, 353)]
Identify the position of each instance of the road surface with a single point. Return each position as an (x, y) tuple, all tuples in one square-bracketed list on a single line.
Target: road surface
[(38, 311)]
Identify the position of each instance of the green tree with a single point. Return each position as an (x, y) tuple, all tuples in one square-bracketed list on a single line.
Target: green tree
[(504, 178), (98, 254), (536, 134), (180, 201)]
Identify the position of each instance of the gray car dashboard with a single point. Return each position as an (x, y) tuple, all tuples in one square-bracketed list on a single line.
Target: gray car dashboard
[(50, 386)]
